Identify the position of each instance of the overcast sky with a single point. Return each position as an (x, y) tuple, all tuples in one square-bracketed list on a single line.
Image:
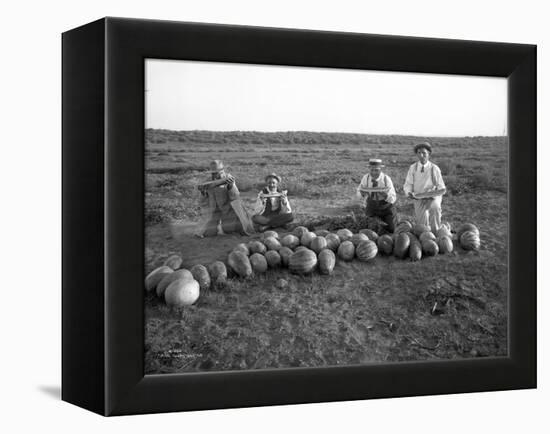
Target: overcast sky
[(185, 95)]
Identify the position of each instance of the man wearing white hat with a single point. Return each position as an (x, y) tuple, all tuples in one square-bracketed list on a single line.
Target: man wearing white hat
[(376, 188), (425, 185)]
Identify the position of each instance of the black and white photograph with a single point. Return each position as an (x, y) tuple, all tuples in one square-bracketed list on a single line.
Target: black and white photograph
[(315, 217)]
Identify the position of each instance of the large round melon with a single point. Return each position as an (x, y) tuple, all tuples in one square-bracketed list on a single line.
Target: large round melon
[(357, 238), (268, 234), (333, 241), (318, 244), (218, 273), (418, 229), (301, 248), (424, 236), (182, 292), (258, 262), (285, 253), (299, 231), (257, 247), (173, 261), (272, 243), (415, 251), (385, 244), (240, 263), (401, 245), (344, 234), (469, 240), (430, 248), (176, 275), (445, 244), (307, 238), (155, 276), (201, 275), (467, 227), (273, 259), (373, 236), (366, 250), (322, 233), (290, 241), (346, 250), (327, 261), (303, 261), (243, 248)]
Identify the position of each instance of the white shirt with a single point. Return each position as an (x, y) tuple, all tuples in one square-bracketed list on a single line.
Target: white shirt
[(383, 180), (419, 181)]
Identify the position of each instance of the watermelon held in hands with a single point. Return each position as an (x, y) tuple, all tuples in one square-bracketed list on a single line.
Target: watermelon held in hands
[(240, 264), (469, 240), (258, 263), (445, 244), (303, 261), (346, 251), (273, 259), (318, 244), (401, 245), (366, 250), (182, 292), (327, 261), (385, 244)]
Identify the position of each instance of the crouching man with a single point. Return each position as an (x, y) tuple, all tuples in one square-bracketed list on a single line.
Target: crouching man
[(272, 208), (221, 204), (376, 189)]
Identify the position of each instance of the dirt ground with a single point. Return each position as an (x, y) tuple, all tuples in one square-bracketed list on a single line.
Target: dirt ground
[(362, 313)]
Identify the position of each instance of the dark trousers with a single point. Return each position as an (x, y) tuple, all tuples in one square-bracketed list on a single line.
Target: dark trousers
[(230, 223), (274, 220), (383, 210)]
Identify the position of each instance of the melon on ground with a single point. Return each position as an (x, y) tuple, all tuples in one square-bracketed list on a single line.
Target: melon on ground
[(467, 227), (418, 229), (327, 261), (268, 234), (307, 238), (180, 274), (273, 259), (403, 227), (291, 241), (401, 245), (415, 251), (243, 248), (366, 250), (322, 233), (201, 275), (445, 244), (285, 253), (357, 238), (333, 241), (258, 262), (218, 273), (240, 263), (299, 231), (303, 261), (385, 244), (155, 276), (443, 231), (430, 248), (272, 243), (346, 250), (173, 261), (182, 292), (469, 240), (373, 236), (318, 244), (257, 247), (344, 234), (424, 236)]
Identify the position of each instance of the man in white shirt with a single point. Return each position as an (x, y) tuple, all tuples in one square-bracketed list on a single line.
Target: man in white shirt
[(378, 203), (425, 177)]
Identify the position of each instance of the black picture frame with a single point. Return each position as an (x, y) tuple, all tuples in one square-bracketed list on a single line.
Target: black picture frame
[(103, 223)]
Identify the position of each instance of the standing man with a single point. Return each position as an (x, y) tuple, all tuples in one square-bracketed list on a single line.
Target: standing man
[(378, 191), (220, 203), (424, 179), (272, 208)]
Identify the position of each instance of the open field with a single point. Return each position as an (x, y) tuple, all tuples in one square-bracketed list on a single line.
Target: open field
[(363, 313)]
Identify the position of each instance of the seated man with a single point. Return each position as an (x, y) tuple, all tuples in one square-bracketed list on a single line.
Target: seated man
[(220, 202), (425, 185), (378, 191), (272, 207)]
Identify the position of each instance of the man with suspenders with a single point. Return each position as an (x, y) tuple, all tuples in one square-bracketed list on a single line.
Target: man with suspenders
[(424, 178), (377, 188)]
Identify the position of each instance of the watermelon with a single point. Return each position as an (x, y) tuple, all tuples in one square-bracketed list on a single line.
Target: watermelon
[(366, 250), (402, 228), (174, 262), (469, 240), (344, 234), (443, 231), (268, 234), (415, 251), (301, 248), (299, 231), (327, 261), (240, 263), (257, 247), (419, 229), (322, 233), (373, 236), (385, 244), (465, 228), (333, 241), (273, 259), (201, 275), (445, 244), (307, 238), (401, 245), (285, 253), (424, 236), (155, 276), (346, 250), (169, 278), (319, 243), (258, 263), (218, 273), (272, 243), (290, 241), (303, 261), (357, 238), (242, 247), (430, 248), (182, 292)]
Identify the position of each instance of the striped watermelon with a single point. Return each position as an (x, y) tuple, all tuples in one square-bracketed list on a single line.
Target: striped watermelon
[(401, 245), (415, 251), (290, 241), (322, 233), (373, 236), (273, 259), (346, 250), (419, 229), (357, 238), (366, 250), (172, 277), (344, 234), (424, 236), (385, 244), (443, 231), (402, 228), (242, 247), (333, 241), (307, 238), (257, 247), (272, 243), (319, 243), (465, 228), (303, 261), (285, 253), (268, 234), (430, 248), (258, 262), (173, 261), (299, 231), (327, 261), (218, 273), (445, 244), (240, 263), (201, 275), (469, 240), (155, 276)]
